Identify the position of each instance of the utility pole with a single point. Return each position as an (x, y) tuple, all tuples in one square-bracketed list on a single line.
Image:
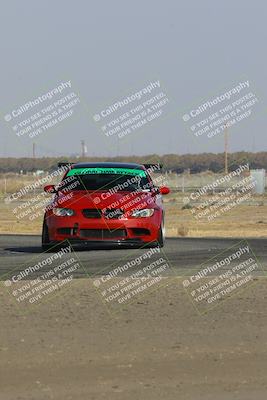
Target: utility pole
[(84, 148), (226, 150), (33, 150)]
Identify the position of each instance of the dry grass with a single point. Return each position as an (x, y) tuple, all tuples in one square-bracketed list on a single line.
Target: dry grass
[(10, 224), (245, 220), (11, 183)]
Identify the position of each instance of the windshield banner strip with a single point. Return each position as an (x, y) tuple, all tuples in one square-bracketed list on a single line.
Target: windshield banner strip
[(118, 171)]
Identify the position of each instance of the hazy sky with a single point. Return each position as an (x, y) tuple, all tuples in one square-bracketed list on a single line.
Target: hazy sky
[(112, 49)]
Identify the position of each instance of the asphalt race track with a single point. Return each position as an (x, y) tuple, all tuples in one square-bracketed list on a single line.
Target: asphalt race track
[(183, 254)]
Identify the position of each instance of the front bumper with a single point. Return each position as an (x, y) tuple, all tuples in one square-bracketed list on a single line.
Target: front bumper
[(119, 232)]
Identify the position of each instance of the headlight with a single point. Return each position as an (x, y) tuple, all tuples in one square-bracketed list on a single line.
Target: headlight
[(63, 212), (145, 212)]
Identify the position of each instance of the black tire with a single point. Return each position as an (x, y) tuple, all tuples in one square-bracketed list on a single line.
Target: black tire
[(46, 245), (161, 238)]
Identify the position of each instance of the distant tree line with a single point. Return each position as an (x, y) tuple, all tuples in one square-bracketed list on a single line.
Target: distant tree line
[(194, 163)]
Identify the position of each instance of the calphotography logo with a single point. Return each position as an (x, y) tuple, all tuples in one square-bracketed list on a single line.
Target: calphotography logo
[(44, 112), (132, 277), (222, 277), (134, 112), (46, 276), (226, 110)]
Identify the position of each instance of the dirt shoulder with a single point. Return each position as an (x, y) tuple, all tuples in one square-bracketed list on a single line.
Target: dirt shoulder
[(157, 348)]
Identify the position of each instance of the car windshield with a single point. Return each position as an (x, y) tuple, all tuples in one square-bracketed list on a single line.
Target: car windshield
[(102, 179)]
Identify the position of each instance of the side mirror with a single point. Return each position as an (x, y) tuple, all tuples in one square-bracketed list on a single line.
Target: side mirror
[(164, 190), (50, 189)]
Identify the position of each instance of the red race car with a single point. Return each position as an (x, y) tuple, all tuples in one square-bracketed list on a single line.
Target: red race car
[(107, 204)]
